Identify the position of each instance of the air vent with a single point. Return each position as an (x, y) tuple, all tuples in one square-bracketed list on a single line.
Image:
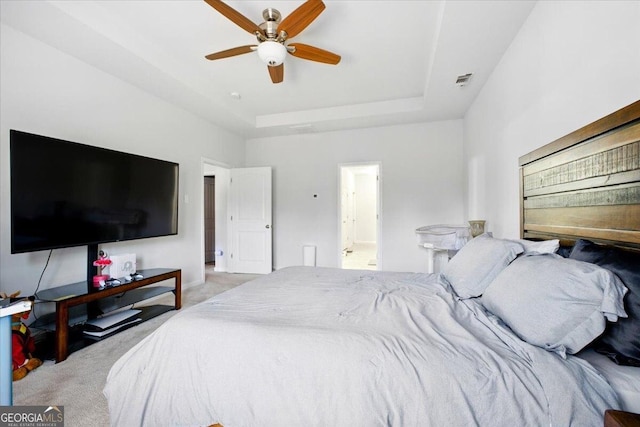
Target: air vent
[(463, 79), (302, 128)]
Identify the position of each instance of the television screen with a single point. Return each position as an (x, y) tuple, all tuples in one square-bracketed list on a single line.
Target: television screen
[(68, 194)]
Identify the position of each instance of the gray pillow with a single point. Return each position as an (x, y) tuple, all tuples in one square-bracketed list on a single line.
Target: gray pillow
[(555, 303), (532, 247), (478, 263)]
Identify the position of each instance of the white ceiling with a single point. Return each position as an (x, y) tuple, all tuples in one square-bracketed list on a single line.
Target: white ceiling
[(400, 59)]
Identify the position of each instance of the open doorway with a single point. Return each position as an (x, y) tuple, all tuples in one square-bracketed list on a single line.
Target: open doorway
[(215, 184), (234, 245), (359, 216), (210, 220)]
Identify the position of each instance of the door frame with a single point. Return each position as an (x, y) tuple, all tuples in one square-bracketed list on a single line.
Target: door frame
[(378, 209)]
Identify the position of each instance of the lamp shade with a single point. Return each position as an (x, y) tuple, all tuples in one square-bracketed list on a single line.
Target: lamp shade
[(477, 227), (272, 53)]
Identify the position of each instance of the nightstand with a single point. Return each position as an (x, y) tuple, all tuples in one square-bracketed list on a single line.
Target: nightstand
[(613, 418)]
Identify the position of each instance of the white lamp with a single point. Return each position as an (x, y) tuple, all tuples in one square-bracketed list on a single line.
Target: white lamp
[(272, 53)]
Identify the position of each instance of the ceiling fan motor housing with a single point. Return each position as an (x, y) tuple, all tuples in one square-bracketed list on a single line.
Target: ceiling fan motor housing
[(270, 26)]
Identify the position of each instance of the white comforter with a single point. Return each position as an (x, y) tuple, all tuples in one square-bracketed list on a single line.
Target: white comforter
[(308, 346)]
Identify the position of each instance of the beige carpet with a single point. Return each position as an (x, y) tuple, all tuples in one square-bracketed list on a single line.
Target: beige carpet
[(77, 382)]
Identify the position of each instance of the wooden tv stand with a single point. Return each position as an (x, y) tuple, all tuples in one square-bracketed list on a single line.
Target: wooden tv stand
[(90, 303)]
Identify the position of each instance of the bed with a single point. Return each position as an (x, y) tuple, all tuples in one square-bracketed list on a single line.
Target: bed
[(541, 330)]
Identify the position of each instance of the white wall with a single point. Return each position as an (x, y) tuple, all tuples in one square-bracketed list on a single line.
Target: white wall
[(422, 183), (571, 63), (47, 92)]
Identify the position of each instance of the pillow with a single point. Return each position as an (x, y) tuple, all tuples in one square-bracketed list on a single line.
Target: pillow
[(539, 247), (621, 340), (564, 251), (555, 303), (478, 263)]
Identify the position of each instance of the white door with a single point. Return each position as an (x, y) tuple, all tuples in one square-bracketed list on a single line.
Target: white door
[(346, 203), (250, 220)]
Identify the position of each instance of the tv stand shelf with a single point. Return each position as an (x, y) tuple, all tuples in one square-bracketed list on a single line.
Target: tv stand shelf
[(76, 303)]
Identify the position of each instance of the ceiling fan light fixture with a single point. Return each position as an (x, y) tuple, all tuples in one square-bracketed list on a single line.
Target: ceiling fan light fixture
[(272, 53)]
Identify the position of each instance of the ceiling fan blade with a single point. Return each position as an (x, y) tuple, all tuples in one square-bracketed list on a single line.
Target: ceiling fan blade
[(276, 73), (231, 52), (313, 53), (236, 17), (300, 18)]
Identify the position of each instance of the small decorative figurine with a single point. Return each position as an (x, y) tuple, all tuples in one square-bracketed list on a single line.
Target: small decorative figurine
[(102, 262)]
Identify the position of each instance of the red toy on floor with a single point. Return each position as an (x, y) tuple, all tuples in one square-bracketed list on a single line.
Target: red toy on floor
[(22, 344)]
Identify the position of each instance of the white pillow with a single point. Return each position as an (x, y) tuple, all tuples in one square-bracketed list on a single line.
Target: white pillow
[(532, 247), (555, 303), (478, 263)]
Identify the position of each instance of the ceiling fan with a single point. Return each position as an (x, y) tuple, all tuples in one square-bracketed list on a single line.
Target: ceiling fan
[(272, 35)]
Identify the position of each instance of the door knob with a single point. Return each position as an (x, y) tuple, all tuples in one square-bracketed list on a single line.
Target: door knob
[(266, 226)]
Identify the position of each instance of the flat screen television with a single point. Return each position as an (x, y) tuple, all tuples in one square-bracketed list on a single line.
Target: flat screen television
[(66, 194)]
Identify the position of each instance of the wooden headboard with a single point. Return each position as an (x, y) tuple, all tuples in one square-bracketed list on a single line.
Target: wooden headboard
[(585, 184)]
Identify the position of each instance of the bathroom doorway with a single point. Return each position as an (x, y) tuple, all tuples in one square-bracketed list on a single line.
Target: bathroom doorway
[(359, 216)]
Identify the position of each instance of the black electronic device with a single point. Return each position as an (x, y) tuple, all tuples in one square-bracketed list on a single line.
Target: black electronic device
[(67, 194)]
